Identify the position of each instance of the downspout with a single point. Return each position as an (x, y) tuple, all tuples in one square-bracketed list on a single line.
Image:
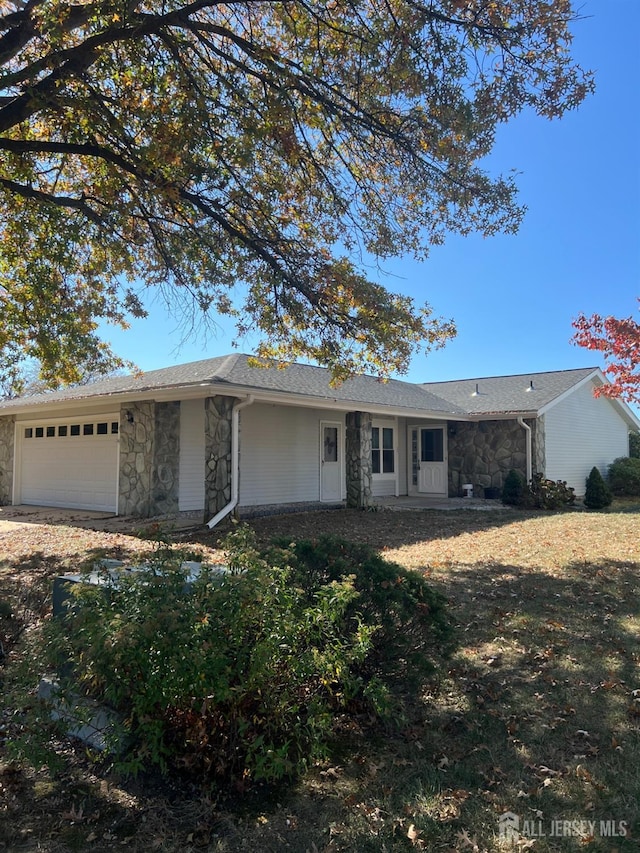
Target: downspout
[(528, 448), (235, 462)]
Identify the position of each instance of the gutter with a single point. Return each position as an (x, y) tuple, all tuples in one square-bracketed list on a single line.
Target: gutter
[(528, 448), (235, 462)]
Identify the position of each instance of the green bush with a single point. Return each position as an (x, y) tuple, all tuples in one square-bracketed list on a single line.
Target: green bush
[(238, 677), (550, 494), (514, 489), (624, 476), (597, 494), (634, 445), (539, 493), (412, 620)]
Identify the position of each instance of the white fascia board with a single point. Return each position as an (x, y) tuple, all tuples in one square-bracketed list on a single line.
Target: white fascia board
[(498, 416), (595, 374), (598, 376), (107, 402)]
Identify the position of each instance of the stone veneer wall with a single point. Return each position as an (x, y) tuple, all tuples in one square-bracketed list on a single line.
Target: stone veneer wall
[(484, 453), (7, 433), (166, 459), (358, 460), (217, 438), (137, 433), (539, 450)]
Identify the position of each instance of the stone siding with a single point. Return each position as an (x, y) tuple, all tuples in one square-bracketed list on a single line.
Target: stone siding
[(166, 459), (539, 451), (218, 452), (484, 453), (7, 433), (137, 433), (358, 460)]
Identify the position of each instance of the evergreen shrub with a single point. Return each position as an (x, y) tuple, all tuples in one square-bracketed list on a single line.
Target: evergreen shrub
[(514, 489), (597, 494)]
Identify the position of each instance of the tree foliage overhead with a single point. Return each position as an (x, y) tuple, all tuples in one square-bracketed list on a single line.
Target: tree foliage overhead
[(201, 148), (619, 340)]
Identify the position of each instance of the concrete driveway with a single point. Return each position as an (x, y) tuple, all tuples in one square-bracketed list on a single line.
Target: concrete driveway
[(10, 516)]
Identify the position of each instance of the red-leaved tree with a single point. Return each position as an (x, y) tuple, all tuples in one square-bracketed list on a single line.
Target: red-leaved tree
[(619, 340)]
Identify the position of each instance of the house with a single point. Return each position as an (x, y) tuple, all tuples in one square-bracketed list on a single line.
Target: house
[(220, 433)]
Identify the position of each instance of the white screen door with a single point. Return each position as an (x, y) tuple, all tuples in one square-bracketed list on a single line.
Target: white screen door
[(432, 476), (330, 461)]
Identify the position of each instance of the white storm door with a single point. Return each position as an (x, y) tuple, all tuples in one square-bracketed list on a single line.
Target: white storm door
[(330, 461), (432, 474)]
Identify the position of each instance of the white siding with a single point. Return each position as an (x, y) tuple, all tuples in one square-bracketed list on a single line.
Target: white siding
[(280, 453), (582, 431), (191, 489)]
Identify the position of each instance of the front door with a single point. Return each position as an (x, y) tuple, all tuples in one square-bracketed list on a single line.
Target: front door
[(330, 461), (432, 470)]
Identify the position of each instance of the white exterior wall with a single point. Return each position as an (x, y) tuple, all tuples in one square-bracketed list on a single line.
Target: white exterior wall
[(582, 431), (192, 462), (401, 440), (280, 453)]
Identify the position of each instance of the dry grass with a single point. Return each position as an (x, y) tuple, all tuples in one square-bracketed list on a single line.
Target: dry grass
[(537, 713)]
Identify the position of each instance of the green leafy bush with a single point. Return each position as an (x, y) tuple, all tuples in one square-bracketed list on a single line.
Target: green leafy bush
[(412, 619), (540, 493), (514, 489), (237, 676), (550, 494), (597, 494), (634, 445), (624, 476)]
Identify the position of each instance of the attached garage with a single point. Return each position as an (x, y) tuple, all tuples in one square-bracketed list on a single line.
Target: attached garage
[(70, 463)]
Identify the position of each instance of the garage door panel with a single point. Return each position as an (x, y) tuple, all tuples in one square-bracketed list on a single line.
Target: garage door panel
[(79, 472)]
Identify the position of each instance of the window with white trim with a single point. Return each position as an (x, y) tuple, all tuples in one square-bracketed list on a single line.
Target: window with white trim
[(382, 450)]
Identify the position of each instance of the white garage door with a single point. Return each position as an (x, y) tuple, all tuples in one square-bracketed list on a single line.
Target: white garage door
[(71, 464)]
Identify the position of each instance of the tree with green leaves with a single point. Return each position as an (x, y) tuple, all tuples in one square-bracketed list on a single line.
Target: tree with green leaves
[(251, 159)]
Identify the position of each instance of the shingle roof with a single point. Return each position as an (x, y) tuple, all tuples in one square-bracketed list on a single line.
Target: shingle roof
[(526, 392), (235, 371)]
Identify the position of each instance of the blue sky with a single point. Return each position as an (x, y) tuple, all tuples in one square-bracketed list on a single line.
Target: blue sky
[(514, 297)]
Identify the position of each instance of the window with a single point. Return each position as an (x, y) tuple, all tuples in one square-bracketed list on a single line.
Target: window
[(432, 445), (75, 429), (382, 450), (62, 431), (330, 446), (28, 433), (39, 432), (101, 429), (87, 429), (51, 432), (114, 427)]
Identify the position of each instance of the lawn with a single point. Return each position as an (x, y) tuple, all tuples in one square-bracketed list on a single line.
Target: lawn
[(537, 713)]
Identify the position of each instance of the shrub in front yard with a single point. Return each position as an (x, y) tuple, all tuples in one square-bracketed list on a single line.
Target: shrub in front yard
[(414, 630), (597, 494), (240, 676), (514, 489), (550, 494), (624, 476)]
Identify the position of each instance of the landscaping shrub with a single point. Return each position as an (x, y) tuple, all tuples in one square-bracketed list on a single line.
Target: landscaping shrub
[(413, 625), (597, 494), (550, 494), (624, 476), (634, 445), (239, 676), (539, 493), (514, 489)]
